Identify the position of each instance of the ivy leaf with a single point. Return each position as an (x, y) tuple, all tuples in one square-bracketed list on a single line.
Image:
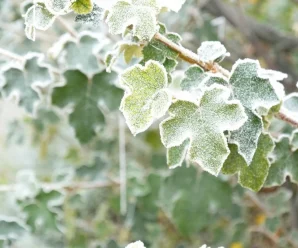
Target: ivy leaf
[(285, 164), (290, 105), (252, 177), (211, 51), (11, 228), (37, 17), (94, 18), (82, 6), (176, 154), (43, 213), (204, 124), (130, 50), (85, 95), (58, 7), (257, 96), (81, 54), (141, 14), (24, 82), (146, 97)]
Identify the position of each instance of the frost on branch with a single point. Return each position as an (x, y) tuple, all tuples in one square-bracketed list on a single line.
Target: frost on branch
[(253, 176), (211, 51), (146, 97), (204, 124), (85, 95), (141, 14), (258, 96), (285, 161), (25, 83), (81, 54), (37, 17)]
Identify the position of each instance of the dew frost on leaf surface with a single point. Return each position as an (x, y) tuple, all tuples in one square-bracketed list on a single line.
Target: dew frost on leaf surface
[(24, 82), (137, 244), (139, 13), (84, 95), (37, 17), (94, 18), (285, 161), (58, 7), (146, 97), (211, 51), (255, 93), (80, 54), (253, 176), (204, 124), (290, 105), (11, 228)]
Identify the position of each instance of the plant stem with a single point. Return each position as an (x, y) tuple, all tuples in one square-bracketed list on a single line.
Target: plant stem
[(193, 58), (11, 55), (67, 27), (74, 186)]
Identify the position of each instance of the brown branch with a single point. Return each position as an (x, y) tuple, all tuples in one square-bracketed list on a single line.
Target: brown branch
[(190, 56), (193, 58)]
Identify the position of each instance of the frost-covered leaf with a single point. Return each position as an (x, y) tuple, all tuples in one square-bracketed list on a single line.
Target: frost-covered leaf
[(146, 97), (137, 244), (24, 83), (141, 14), (174, 5), (85, 95), (253, 176), (285, 162), (11, 228), (257, 96), (94, 18), (193, 78), (43, 213), (204, 124), (82, 6), (156, 50), (290, 105), (58, 7), (81, 54), (211, 51), (176, 154), (37, 17)]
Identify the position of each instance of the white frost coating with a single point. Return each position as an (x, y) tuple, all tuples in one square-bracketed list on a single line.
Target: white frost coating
[(27, 185), (146, 97), (58, 46), (141, 14), (13, 234), (204, 123), (137, 244), (255, 93), (290, 105), (210, 51), (58, 7)]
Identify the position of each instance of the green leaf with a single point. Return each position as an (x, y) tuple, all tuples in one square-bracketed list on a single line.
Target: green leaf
[(85, 95), (141, 14), (25, 82), (11, 228), (285, 162), (252, 177), (146, 97), (43, 214), (211, 51), (81, 54), (204, 124), (158, 51), (176, 154), (290, 105), (130, 50), (257, 96), (37, 17), (94, 18), (82, 6), (193, 78)]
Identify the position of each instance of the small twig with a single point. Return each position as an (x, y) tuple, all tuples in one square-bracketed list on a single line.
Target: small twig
[(74, 186), (271, 236), (11, 55), (284, 117), (67, 27), (191, 57), (257, 202)]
